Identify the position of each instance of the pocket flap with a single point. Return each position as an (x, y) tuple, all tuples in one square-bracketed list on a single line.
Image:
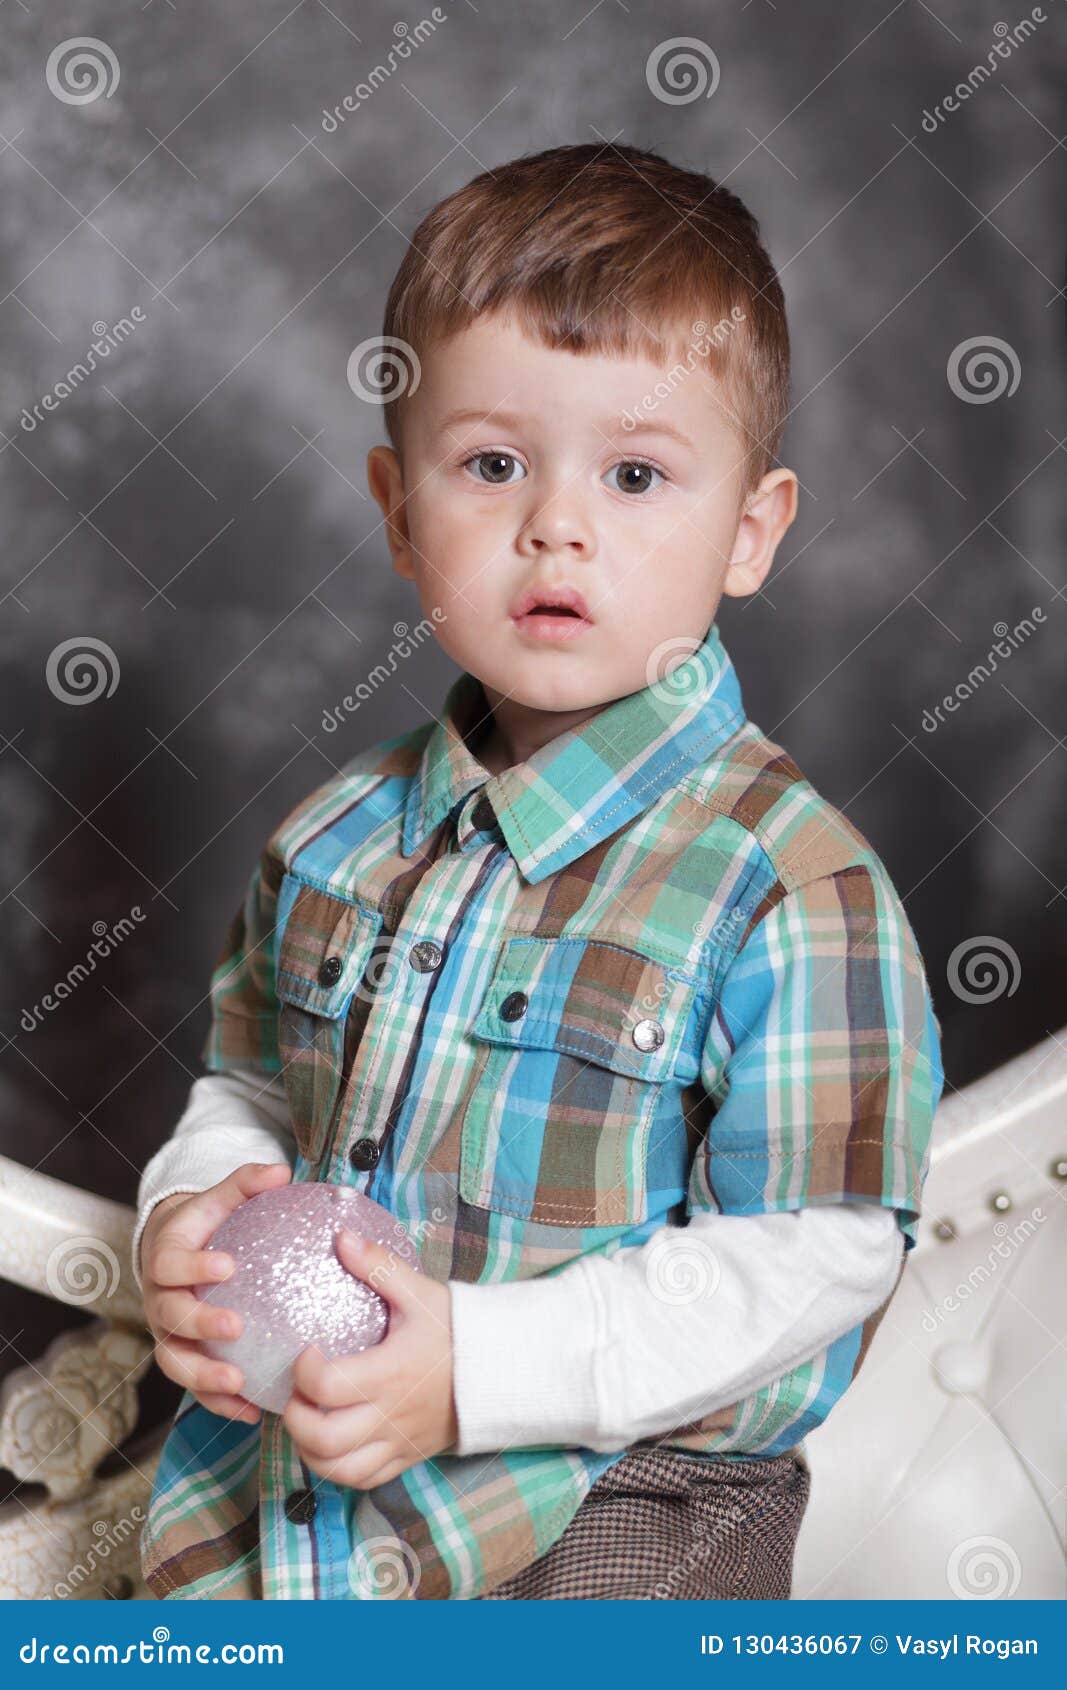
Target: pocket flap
[(325, 945), (605, 1002)]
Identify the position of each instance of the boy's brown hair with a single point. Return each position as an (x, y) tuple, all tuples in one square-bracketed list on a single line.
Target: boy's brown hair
[(612, 250)]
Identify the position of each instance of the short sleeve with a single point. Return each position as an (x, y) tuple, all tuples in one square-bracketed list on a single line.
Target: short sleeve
[(822, 1058), (244, 1004)]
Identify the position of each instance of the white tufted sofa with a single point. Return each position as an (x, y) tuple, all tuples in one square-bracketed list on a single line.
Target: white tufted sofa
[(941, 1472)]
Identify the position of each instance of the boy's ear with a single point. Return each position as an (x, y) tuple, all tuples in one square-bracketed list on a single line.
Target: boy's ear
[(767, 514), (386, 481)]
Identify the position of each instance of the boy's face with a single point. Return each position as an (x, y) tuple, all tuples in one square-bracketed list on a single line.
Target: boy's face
[(519, 478)]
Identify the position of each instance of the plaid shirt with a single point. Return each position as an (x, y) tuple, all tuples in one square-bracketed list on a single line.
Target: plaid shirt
[(645, 973)]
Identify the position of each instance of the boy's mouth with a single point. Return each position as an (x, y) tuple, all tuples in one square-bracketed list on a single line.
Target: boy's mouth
[(551, 612)]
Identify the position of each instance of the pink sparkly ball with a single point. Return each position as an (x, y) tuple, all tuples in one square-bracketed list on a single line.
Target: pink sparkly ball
[(289, 1286)]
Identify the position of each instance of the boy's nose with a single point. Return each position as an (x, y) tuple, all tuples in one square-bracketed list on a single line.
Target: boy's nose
[(559, 525)]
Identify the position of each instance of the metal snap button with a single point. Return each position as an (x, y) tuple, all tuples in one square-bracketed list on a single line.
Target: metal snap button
[(330, 971), (425, 956), (514, 1006), (300, 1506), (365, 1153), (648, 1035)]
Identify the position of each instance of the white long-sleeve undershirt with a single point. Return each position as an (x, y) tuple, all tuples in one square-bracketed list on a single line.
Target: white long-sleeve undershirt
[(611, 1348)]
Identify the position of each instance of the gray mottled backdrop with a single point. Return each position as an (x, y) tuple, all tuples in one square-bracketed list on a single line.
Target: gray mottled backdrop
[(197, 503)]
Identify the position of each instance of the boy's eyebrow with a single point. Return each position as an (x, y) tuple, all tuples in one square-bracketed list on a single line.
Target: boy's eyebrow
[(649, 427), (503, 419), (612, 428)]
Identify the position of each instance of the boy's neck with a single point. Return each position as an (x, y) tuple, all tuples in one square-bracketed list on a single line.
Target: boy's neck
[(513, 732)]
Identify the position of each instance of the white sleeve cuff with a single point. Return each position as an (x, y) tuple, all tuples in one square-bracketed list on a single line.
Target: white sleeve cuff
[(232, 1117), (523, 1357), (613, 1348)]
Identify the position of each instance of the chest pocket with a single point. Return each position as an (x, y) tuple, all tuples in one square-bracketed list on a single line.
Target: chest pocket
[(324, 946), (576, 1039)]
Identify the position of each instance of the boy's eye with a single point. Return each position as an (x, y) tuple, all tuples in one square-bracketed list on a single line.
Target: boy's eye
[(634, 476), (495, 468)]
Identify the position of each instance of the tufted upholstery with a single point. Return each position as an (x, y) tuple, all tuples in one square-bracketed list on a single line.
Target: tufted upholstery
[(941, 1473)]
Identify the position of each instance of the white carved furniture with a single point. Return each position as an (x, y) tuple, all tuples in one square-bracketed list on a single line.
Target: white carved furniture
[(65, 1413)]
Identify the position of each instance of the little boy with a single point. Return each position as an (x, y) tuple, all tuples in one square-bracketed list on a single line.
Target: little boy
[(581, 980)]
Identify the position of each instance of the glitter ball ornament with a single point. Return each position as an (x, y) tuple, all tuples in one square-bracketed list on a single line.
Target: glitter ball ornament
[(289, 1286)]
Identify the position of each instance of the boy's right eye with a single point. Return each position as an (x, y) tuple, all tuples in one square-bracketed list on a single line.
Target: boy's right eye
[(495, 468)]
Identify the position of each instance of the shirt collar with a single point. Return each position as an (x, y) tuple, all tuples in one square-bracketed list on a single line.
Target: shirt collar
[(589, 781)]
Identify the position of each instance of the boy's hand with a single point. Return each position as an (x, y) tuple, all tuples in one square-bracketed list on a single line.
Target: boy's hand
[(362, 1419), (173, 1260)]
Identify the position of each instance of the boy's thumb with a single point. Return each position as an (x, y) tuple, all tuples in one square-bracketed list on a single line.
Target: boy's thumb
[(376, 1265)]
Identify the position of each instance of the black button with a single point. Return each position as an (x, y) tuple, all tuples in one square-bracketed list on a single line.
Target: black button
[(300, 1506), (330, 972), (483, 816), (364, 1153), (514, 1006)]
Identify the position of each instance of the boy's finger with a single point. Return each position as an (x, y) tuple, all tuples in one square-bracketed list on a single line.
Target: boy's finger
[(180, 1314), (354, 1469), (394, 1279), (332, 1433), (229, 1407), (176, 1264), (340, 1381), (389, 1470), (193, 1222), (247, 1181), (187, 1365)]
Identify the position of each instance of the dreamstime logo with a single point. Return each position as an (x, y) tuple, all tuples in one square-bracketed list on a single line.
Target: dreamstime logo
[(106, 1537), (1008, 640), (107, 340), (397, 1243), (647, 1005), (701, 342), (407, 640), (1002, 1251), (107, 940), (383, 973), (724, 929), (81, 69), (81, 670), (384, 1567), (983, 1568), (384, 368), (1003, 48), (82, 1270), (732, 1519), (682, 1270), (983, 369), (682, 70), (419, 1231), (144, 1652), (407, 39), (983, 969), (677, 674)]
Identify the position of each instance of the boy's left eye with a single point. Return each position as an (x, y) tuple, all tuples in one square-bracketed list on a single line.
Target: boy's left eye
[(633, 475)]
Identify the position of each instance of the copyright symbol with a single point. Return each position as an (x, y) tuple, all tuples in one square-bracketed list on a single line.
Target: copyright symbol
[(879, 1645)]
